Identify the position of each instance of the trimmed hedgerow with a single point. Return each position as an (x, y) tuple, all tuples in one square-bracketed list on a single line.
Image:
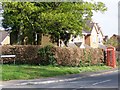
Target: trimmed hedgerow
[(26, 54), (51, 55), (78, 57)]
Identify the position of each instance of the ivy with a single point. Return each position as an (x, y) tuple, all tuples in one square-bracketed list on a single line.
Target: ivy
[(46, 56)]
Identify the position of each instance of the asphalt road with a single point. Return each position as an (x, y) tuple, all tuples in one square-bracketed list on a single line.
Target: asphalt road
[(109, 80)]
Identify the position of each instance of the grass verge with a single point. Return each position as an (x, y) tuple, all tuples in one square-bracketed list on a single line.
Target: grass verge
[(12, 72)]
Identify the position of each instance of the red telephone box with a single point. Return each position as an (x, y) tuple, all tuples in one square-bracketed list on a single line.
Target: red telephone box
[(111, 59)]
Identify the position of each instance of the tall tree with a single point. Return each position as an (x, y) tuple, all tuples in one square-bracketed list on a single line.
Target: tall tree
[(64, 19), (59, 19), (22, 18)]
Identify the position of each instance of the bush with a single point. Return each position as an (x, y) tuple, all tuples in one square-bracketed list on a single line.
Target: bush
[(46, 56)]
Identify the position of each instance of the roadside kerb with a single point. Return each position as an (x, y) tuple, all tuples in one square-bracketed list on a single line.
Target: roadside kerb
[(103, 73), (64, 80)]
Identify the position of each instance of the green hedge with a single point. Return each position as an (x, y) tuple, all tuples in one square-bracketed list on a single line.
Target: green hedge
[(51, 55), (26, 54)]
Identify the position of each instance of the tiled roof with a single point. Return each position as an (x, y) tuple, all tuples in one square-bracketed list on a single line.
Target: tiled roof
[(78, 44), (90, 24), (87, 32)]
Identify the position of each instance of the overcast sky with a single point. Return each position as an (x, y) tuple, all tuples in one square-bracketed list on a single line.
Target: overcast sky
[(109, 20)]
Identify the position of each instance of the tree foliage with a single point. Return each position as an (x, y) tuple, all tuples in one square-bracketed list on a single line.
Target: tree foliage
[(59, 19), (113, 41)]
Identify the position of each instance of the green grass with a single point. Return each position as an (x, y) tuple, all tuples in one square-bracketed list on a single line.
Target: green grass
[(12, 72)]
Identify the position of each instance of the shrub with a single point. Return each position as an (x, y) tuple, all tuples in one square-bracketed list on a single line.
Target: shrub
[(46, 56)]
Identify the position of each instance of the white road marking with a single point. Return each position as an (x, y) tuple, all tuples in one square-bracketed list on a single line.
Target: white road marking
[(1, 85), (47, 82), (63, 80), (101, 82)]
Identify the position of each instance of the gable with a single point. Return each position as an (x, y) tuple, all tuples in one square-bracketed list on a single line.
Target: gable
[(94, 31), (99, 30), (6, 41), (3, 35), (92, 26)]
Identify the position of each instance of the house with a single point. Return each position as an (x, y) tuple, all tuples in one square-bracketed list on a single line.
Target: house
[(45, 40), (92, 38), (4, 37)]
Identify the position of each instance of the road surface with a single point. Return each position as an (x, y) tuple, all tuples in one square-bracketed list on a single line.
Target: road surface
[(109, 80)]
